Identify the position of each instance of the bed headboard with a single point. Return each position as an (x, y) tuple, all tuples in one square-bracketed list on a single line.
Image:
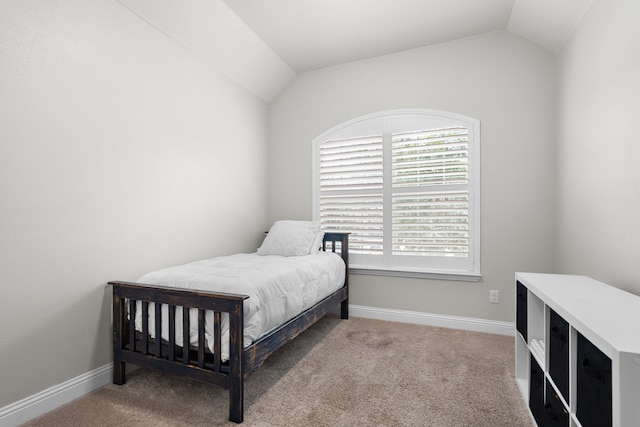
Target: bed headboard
[(337, 241)]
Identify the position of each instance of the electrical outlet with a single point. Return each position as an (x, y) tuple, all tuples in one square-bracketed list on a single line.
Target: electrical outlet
[(494, 296)]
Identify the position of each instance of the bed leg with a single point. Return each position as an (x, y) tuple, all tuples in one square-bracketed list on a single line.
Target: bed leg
[(119, 377), (344, 309), (118, 336), (236, 406), (236, 360)]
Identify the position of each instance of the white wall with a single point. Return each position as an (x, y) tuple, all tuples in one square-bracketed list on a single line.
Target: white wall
[(598, 216), (120, 152), (505, 82)]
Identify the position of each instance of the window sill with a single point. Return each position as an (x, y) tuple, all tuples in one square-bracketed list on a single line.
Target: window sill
[(416, 274)]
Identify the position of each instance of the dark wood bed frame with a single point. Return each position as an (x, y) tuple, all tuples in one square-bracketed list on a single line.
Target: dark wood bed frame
[(197, 362)]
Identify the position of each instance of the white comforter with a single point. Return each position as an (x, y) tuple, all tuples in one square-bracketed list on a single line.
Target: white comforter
[(278, 287)]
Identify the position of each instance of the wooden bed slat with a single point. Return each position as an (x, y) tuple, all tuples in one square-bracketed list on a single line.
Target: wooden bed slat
[(158, 329), (201, 338), (145, 327), (132, 324), (217, 340), (172, 333), (185, 335)]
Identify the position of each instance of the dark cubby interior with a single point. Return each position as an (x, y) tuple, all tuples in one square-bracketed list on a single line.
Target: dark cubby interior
[(593, 385), (536, 392), (555, 413), (521, 310), (559, 353)]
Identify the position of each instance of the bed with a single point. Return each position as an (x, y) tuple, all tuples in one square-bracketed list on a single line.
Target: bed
[(224, 345)]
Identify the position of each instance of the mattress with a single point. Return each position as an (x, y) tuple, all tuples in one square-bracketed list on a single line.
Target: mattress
[(279, 288)]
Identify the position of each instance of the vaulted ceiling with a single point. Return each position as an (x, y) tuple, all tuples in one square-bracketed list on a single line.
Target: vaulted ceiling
[(263, 44), (311, 34)]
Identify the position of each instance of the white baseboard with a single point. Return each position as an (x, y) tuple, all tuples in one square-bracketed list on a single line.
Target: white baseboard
[(47, 400), (444, 321)]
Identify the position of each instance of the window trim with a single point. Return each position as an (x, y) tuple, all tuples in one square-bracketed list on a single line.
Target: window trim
[(458, 276), (473, 126)]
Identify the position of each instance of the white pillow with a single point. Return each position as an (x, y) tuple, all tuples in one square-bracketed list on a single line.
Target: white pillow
[(290, 238), (317, 243)]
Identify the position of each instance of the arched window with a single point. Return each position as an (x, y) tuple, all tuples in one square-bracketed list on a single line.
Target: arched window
[(406, 185)]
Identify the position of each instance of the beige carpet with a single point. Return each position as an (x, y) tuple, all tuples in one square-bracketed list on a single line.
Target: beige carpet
[(356, 372)]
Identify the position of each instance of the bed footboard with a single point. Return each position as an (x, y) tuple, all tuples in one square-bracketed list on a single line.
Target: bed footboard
[(197, 363)]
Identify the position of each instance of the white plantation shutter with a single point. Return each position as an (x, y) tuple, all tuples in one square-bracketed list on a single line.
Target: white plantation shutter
[(351, 184), (359, 215), (406, 186), (430, 223), (431, 157), (351, 164)]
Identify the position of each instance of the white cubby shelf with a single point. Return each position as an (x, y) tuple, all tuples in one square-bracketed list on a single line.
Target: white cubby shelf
[(577, 351)]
